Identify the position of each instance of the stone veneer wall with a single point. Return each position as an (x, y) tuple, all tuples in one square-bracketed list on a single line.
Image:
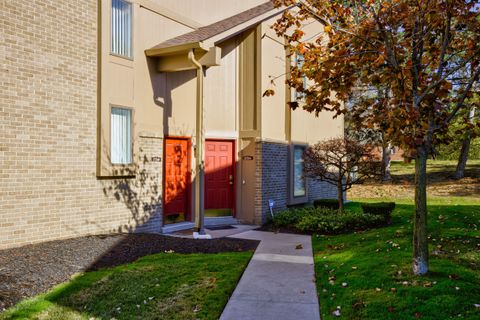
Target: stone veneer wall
[(48, 124)]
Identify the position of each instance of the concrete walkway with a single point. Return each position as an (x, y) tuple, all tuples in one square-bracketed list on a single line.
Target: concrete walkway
[(278, 282)]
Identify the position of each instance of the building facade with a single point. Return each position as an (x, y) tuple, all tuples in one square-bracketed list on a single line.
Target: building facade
[(99, 121)]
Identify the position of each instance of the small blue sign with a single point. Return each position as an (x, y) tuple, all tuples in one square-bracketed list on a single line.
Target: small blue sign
[(271, 203)]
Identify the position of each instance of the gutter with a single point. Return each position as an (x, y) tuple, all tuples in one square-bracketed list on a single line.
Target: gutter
[(199, 155)]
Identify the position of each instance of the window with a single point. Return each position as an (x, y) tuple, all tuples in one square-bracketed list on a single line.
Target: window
[(121, 136), (300, 60), (121, 42), (299, 186)]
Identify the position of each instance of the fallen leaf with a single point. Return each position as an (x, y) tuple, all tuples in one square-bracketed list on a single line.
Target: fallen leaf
[(336, 313), (299, 246)]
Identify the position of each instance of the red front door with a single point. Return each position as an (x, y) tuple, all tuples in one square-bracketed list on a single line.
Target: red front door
[(219, 178), (177, 180)]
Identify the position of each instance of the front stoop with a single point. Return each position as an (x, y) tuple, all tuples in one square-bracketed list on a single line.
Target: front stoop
[(209, 221)]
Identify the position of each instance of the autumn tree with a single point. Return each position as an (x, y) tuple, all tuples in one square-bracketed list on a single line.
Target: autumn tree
[(341, 162), (416, 47)]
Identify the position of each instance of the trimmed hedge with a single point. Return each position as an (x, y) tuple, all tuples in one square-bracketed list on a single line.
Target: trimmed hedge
[(326, 203), (383, 209), (325, 221)]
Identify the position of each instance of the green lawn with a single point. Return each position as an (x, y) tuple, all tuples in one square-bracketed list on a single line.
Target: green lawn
[(161, 286), (446, 167), (375, 266)]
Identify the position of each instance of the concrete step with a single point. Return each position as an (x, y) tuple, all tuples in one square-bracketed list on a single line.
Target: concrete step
[(174, 227), (219, 221), (209, 221)]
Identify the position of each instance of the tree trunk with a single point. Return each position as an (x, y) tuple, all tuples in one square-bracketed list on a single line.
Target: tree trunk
[(420, 244), (386, 160), (340, 196), (462, 159)]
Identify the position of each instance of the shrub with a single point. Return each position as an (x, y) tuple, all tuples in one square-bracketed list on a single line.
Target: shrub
[(328, 223), (326, 203), (289, 218), (383, 209), (325, 221)]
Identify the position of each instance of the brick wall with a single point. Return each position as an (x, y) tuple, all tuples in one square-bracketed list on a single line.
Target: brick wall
[(274, 163), (321, 190), (48, 187), (274, 182)]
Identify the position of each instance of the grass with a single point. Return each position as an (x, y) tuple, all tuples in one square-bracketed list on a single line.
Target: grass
[(446, 167), (440, 182), (376, 265), (161, 286)]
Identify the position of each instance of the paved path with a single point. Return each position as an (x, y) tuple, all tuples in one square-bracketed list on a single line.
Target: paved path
[(278, 282)]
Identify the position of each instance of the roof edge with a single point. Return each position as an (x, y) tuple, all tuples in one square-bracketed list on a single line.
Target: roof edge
[(160, 52)]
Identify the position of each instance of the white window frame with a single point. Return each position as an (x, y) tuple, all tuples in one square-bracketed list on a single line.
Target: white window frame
[(296, 199), (128, 158), (299, 61), (115, 50)]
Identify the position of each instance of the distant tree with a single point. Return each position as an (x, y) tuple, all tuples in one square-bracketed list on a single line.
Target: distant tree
[(341, 162), (467, 135), (362, 132), (416, 47)]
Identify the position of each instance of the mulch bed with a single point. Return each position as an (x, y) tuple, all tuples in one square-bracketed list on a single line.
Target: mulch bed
[(32, 269)]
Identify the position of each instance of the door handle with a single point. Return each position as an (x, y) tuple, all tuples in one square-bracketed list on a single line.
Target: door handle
[(230, 179)]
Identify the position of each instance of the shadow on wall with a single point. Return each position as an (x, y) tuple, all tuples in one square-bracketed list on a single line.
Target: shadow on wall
[(163, 84), (139, 187)]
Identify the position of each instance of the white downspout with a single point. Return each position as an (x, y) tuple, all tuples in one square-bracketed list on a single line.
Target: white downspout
[(199, 153)]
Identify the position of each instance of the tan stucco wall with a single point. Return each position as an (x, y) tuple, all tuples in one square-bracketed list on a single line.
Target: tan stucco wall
[(277, 120), (221, 94), (273, 68), (217, 9)]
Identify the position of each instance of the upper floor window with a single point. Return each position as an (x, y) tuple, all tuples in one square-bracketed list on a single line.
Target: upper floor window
[(300, 60), (121, 136), (121, 40)]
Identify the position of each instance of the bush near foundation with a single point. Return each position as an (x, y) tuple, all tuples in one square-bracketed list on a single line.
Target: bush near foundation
[(326, 203), (325, 221), (383, 209)]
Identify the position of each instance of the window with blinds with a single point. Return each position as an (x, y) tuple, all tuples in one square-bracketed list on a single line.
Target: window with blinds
[(121, 136), (300, 60), (122, 28)]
